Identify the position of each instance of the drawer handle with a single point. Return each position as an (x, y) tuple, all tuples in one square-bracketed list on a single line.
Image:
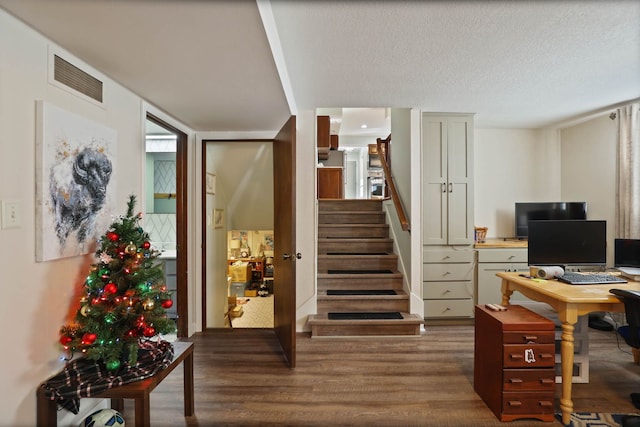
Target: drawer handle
[(515, 403), (547, 381), (531, 338), (516, 356), (546, 403), (515, 381), (547, 356), (512, 256)]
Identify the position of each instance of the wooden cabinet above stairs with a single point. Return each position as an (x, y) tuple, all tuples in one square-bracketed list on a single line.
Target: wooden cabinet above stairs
[(360, 290)]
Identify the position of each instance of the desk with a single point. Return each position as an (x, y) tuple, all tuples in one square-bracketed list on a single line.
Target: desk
[(570, 301), (138, 390)]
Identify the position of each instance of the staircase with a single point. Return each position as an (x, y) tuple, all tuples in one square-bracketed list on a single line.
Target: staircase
[(360, 290)]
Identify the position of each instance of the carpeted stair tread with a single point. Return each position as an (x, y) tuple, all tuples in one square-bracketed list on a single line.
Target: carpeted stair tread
[(357, 253), (361, 292), (391, 315), (359, 271)]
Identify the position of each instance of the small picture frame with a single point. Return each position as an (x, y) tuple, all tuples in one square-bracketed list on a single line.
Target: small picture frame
[(218, 218), (210, 183)]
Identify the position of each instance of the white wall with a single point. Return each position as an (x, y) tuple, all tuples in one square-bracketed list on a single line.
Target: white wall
[(589, 170), (576, 163), (38, 298), (513, 165), (306, 217)]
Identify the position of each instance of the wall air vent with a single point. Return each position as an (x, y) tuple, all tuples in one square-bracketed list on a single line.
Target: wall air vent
[(72, 76)]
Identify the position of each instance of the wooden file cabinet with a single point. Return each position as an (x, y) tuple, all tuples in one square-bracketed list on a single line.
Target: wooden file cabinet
[(514, 363)]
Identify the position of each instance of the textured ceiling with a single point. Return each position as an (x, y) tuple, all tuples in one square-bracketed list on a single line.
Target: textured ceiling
[(210, 64)]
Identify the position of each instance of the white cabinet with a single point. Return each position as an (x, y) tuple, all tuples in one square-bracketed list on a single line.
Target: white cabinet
[(447, 188), (447, 215), (492, 261), (447, 281), (170, 279)]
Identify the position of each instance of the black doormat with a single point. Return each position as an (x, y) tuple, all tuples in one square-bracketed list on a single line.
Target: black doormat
[(361, 292), (357, 253), (359, 271), (391, 315)]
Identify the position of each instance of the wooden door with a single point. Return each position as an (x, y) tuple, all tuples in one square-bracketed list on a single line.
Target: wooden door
[(284, 270), (182, 243)]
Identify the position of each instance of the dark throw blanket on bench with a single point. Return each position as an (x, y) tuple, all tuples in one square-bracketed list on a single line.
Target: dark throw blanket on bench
[(86, 378)]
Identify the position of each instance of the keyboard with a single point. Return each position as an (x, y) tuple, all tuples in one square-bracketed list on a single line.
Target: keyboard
[(590, 278)]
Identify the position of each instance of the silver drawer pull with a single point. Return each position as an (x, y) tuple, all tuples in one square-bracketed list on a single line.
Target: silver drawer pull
[(515, 403), (515, 381)]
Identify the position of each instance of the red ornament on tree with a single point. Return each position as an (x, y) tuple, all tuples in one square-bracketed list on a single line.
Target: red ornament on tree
[(89, 338), (149, 331), (146, 245), (65, 339), (110, 288), (167, 303), (112, 236)]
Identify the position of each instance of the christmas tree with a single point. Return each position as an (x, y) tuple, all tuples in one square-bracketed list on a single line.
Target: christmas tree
[(124, 299)]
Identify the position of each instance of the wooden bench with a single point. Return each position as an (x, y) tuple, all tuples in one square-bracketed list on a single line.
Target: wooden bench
[(138, 390)]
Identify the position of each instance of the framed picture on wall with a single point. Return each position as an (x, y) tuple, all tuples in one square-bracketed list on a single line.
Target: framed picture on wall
[(210, 183), (218, 218)]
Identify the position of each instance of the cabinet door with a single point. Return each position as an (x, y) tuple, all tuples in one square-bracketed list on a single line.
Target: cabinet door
[(460, 180), (490, 286), (434, 166), (323, 138), (330, 183), (447, 160)]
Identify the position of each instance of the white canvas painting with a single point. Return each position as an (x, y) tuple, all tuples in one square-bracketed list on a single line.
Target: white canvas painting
[(75, 188)]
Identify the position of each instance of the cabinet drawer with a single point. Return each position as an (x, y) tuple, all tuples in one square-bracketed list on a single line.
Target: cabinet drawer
[(448, 308), (447, 290), (529, 380), (529, 337), (529, 356), (538, 403), (448, 254), (449, 272), (502, 255)]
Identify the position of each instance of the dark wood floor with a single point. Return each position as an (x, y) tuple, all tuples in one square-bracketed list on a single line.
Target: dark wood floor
[(241, 380)]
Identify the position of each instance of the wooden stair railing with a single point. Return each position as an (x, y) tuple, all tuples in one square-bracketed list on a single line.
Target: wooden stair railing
[(383, 154)]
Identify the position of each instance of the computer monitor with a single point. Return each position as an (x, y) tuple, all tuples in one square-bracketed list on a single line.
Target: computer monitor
[(568, 243), (531, 211), (627, 253)]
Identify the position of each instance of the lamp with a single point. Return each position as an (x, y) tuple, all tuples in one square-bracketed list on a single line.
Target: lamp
[(235, 248)]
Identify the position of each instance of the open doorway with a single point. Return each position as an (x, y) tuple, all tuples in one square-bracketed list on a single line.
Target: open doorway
[(165, 209), (238, 240), (352, 153)]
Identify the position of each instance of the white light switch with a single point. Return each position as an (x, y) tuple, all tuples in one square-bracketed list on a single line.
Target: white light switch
[(11, 214)]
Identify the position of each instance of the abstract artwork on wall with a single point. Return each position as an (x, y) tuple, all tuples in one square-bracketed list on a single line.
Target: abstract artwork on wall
[(75, 188)]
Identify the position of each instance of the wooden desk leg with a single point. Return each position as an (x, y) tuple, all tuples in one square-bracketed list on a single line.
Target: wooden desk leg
[(188, 385), (143, 411), (118, 405), (566, 352), (46, 410), (506, 292)]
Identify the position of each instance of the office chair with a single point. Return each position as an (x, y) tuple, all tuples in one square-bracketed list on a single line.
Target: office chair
[(631, 335)]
